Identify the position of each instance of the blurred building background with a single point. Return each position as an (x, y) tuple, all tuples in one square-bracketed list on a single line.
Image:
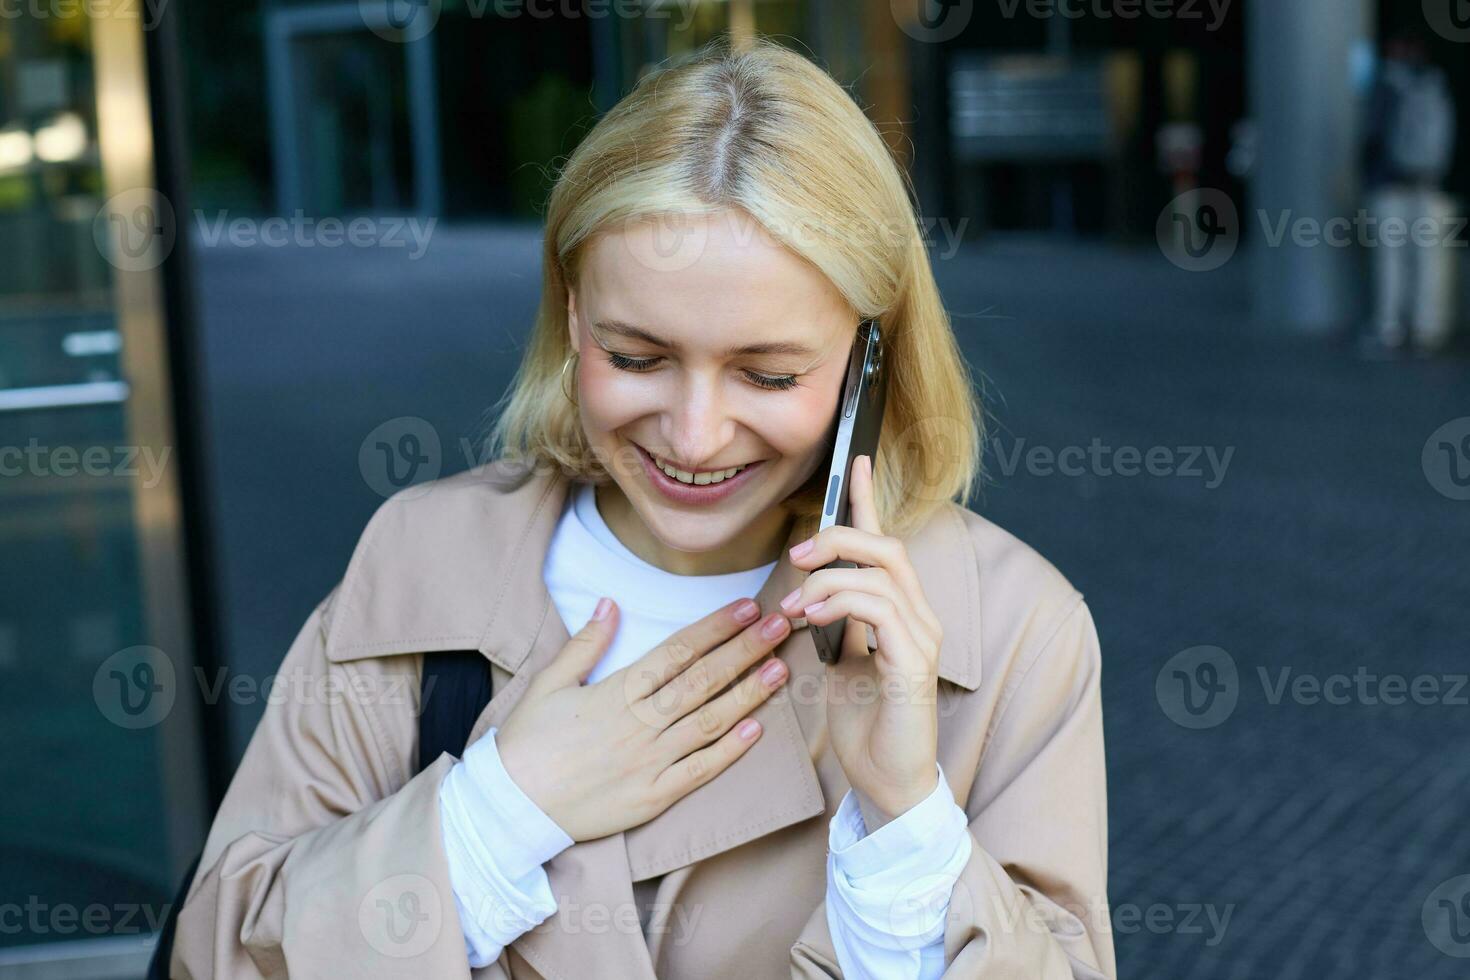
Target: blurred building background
[(195, 374)]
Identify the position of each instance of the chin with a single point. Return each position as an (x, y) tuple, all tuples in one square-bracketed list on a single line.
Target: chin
[(695, 533)]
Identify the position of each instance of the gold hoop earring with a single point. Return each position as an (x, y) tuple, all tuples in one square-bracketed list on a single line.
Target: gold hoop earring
[(564, 365)]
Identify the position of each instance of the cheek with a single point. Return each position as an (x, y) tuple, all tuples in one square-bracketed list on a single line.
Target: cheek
[(796, 427), (611, 398)]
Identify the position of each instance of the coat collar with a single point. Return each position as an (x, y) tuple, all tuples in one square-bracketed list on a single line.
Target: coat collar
[(457, 565)]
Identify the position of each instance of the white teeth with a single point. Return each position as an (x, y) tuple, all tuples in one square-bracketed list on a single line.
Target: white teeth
[(697, 479)]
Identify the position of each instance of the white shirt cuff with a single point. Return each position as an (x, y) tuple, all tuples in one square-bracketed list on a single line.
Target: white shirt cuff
[(889, 890), (496, 840)]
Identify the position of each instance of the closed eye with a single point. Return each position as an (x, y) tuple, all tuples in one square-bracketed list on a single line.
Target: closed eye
[(770, 382)]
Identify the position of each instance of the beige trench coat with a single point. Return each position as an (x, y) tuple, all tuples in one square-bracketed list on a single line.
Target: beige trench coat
[(326, 860)]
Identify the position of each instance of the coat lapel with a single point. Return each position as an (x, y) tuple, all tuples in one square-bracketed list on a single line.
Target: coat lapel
[(596, 920), (772, 785)]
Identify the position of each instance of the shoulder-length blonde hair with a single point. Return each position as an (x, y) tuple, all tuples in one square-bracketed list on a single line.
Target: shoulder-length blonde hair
[(762, 129)]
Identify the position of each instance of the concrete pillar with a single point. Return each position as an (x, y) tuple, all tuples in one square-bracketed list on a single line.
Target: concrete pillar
[(1306, 110)]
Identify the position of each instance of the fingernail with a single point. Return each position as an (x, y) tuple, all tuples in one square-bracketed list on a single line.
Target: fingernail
[(746, 611), (813, 608), (748, 729), (772, 672), (773, 627), (604, 606), (803, 549), (786, 602)]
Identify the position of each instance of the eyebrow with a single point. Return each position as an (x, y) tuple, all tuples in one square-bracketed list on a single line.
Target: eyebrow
[(632, 332)]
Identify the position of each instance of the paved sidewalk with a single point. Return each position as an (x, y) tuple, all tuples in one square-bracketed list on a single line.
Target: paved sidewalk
[(1324, 549)]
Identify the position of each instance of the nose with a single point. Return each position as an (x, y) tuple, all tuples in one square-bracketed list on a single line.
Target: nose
[(697, 426)]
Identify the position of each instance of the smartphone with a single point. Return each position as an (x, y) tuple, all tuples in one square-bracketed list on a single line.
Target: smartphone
[(859, 422)]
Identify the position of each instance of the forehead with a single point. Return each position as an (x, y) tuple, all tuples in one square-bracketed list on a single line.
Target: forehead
[(715, 277)]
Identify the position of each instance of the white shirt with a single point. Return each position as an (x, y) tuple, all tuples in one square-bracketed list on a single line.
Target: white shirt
[(585, 561), (887, 892)]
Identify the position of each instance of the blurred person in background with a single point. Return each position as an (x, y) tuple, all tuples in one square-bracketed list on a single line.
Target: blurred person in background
[(1409, 148), (645, 761)]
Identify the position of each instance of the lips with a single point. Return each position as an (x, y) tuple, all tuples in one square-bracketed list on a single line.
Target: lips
[(708, 492)]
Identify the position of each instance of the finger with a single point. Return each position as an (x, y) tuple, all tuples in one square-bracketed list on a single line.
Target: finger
[(583, 651), (895, 642), (712, 673), (855, 639), (840, 541), (867, 548), (864, 497), (664, 662), (826, 582), (699, 728), (694, 770)]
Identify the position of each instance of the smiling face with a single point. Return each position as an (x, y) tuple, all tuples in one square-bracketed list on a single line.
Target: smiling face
[(731, 361)]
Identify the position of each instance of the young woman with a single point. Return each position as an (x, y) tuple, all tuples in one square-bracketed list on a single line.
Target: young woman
[(681, 788)]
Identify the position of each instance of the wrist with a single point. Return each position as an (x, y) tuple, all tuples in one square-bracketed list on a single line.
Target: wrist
[(522, 773), (889, 804), (497, 798)]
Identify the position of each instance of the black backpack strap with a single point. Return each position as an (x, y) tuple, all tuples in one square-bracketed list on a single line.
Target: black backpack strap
[(454, 689)]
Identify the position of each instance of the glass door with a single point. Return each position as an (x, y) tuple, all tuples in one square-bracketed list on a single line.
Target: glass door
[(101, 766)]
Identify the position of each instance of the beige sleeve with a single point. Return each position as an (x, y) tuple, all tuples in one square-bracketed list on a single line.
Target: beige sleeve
[(325, 858), (1032, 900)]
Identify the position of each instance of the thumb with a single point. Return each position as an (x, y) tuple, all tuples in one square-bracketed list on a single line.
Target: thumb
[(584, 649)]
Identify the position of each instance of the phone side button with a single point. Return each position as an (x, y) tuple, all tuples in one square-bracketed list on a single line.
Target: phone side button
[(831, 507)]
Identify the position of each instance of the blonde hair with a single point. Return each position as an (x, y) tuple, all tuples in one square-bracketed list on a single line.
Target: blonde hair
[(764, 130)]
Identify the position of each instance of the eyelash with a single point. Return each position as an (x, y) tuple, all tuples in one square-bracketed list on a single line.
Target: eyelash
[(769, 382)]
